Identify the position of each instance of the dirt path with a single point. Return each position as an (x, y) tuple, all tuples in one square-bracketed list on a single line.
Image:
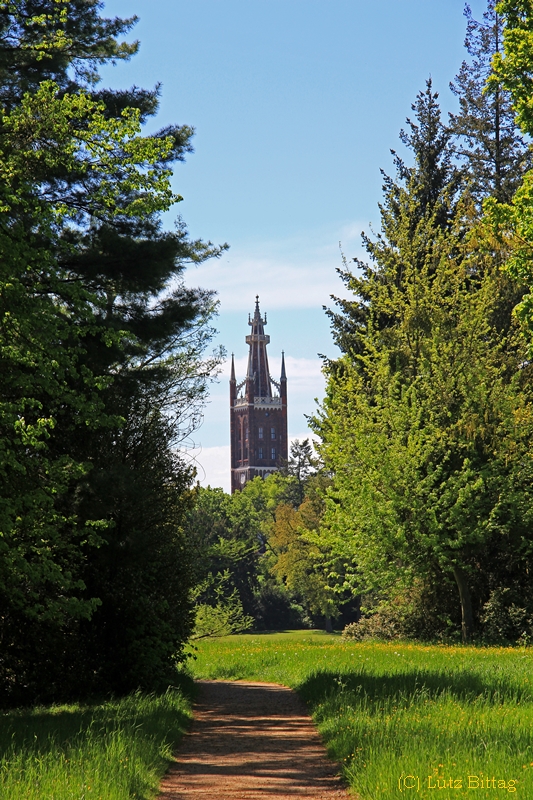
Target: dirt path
[(251, 741)]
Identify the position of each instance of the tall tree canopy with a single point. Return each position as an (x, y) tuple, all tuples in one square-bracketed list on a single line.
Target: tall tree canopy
[(101, 359), (427, 418)]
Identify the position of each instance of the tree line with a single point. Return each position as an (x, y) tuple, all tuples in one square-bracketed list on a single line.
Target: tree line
[(426, 426), (263, 556), (103, 365)]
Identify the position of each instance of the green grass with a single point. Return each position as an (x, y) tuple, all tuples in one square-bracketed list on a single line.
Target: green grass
[(112, 751), (391, 710)]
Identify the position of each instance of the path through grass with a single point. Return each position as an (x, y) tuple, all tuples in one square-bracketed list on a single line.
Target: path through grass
[(404, 720), (113, 751)]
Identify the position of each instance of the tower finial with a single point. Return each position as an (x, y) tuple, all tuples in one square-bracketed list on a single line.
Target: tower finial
[(257, 314), (232, 378), (283, 374)]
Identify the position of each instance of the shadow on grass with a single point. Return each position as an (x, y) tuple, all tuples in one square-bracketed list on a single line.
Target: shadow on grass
[(47, 729), (290, 632), (410, 685)]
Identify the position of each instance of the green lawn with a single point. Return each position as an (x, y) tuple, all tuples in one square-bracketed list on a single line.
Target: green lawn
[(110, 751), (402, 716)]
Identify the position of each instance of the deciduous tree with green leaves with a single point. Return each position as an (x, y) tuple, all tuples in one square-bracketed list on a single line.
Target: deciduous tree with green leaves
[(428, 402), (512, 221)]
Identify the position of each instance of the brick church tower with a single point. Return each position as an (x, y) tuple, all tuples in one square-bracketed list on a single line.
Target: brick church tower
[(259, 440)]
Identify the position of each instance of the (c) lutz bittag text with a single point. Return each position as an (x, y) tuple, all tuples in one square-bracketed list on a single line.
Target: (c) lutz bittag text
[(408, 783)]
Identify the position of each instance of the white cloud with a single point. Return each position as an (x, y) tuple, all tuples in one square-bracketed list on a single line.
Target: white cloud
[(302, 373), (212, 465), (299, 272)]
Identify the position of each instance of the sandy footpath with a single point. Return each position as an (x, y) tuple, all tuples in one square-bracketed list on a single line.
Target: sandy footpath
[(251, 741)]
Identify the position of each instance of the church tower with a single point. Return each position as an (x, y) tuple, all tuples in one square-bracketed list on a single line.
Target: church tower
[(259, 440)]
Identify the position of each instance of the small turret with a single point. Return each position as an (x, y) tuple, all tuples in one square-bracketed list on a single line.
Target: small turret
[(232, 382), (283, 380)]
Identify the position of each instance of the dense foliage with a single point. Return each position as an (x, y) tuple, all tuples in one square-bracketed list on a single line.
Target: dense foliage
[(101, 365), (263, 564), (420, 504), (426, 424)]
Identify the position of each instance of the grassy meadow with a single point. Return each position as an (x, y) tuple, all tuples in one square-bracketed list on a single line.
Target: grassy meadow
[(404, 720), (111, 751)]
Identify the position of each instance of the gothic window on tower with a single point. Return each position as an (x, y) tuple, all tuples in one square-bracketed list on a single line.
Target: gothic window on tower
[(260, 434), (272, 433), (273, 454), (246, 433), (260, 449)]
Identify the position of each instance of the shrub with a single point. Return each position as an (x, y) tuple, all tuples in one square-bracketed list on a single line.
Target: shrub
[(508, 616), (421, 611)]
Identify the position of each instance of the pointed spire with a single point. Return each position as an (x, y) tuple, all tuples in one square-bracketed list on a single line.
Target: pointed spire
[(258, 371), (232, 378), (283, 373)]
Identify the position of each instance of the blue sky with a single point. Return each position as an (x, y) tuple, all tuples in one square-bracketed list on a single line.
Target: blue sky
[(296, 105)]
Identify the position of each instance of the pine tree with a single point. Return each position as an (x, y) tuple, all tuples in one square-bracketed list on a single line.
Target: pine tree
[(427, 189), (63, 41), (486, 136), (97, 335), (425, 430)]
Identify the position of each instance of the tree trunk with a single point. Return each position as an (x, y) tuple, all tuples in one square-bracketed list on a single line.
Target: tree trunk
[(467, 619), (329, 626)]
